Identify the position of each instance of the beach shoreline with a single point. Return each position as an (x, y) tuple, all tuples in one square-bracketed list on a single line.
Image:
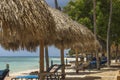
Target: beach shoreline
[(23, 72)]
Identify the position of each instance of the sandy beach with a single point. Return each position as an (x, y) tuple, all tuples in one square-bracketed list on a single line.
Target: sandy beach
[(106, 75), (103, 74), (20, 73)]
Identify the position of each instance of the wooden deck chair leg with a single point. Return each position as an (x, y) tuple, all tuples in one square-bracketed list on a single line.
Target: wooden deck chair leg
[(47, 78)]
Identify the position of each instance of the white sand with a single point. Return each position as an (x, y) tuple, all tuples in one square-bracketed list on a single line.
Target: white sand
[(23, 72), (72, 59), (103, 74), (20, 73), (107, 75)]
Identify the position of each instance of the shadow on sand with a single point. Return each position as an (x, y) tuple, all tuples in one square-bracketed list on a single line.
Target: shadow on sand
[(85, 78)]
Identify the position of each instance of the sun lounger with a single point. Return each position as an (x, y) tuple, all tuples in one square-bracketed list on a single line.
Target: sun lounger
[(26, 77), (54, 75), (50, 74), (3, 74), (93, 64), (82, 66), (48, 70)]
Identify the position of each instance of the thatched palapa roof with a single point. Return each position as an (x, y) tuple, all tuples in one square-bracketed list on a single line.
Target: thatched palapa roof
[(69, 33), (89, 46), (24, 23), (26, 18)]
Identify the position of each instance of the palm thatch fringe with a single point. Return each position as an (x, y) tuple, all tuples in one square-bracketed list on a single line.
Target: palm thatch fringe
[(26, 17), (70, 33)]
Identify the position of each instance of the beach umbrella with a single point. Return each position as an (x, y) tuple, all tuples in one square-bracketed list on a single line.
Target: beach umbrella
[(89, 46), (66, 33), (27, 18), (24, 20), (70, 34)]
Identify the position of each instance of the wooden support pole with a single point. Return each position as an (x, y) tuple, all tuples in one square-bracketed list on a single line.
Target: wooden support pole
[(46, 57), (51, 62), (66, 61), (7, 67), (62, 62), (76, 51), (116, 54), (41, 59)]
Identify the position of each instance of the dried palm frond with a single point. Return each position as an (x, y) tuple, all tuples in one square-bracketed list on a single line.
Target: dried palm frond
[(70, 33), (26, 17)]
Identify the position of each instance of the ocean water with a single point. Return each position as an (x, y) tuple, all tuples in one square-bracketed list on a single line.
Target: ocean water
[(18, 64)]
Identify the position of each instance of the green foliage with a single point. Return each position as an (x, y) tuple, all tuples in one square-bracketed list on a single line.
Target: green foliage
[(71, 52), (115, 32), (82, 11)]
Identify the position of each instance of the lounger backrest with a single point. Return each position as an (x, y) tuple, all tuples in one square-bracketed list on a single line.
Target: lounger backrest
[(59, 67), (50, 68), (56, 68), (3, 75)]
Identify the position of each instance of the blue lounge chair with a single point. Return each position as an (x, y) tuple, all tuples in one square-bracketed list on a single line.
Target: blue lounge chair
[(93, 64), (27, 77), (3, 74), (52, 70)]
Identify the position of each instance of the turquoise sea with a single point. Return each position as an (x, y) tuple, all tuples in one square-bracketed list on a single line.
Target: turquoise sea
[(22, 63)]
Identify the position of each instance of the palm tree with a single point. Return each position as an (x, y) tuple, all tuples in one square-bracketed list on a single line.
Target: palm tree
[(116, 55), (95, 32), (56, 4), (108, 35)]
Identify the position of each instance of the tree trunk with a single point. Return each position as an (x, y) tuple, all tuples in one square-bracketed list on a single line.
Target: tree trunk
[(46, 57), (108, 35), (95, 31), (116, 56), (94, 17), (56, 4), (76, 51)]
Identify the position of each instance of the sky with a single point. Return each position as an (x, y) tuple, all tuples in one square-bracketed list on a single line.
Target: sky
[(61, 3), (52, 50)]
